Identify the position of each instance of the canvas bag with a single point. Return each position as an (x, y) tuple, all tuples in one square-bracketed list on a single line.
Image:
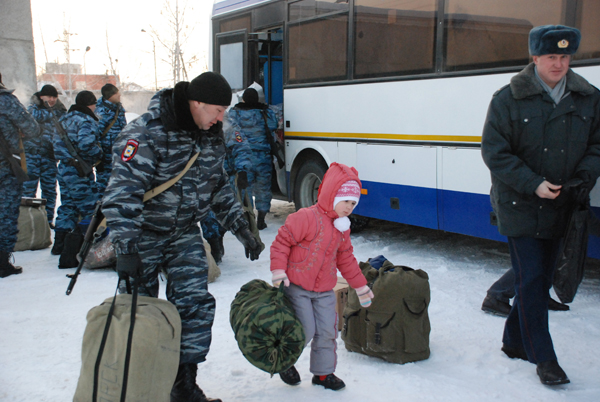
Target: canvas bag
[(154, 351), (34, 231), (265, 326), (396, 326)]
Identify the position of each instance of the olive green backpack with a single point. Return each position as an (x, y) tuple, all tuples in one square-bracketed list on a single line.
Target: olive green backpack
[(396, 326)]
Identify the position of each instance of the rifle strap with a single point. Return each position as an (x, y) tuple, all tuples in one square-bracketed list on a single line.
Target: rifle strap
[(267, 129), (159, 189), (107, 129), (22, 154)]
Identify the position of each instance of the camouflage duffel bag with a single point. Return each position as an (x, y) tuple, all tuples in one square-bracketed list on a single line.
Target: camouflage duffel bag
[(265, 327)]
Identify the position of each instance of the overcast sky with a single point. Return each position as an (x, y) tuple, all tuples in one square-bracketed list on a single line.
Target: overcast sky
[(123, 20)]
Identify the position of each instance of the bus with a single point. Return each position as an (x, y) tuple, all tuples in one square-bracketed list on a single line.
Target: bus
[(398, 89)]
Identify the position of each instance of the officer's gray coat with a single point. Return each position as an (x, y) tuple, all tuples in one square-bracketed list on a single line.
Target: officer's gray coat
[(153, 149), (528, 139)]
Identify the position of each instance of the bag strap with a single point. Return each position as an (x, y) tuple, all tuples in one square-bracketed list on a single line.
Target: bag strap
[(129, 342), (107, 129), (159, 189)]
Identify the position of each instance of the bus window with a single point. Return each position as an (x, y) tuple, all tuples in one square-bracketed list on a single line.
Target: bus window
[(588, 15), (311, 8), (499, 30), (394, 38), (317, 50), (235, 24)]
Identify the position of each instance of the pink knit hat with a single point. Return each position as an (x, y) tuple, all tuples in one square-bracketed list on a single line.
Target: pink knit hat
[(350, 190)]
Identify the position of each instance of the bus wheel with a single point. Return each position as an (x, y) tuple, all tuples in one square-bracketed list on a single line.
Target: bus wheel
[(307, 185)]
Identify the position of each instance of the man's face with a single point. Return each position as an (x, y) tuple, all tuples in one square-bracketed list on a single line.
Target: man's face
[(552, 67), (205, 115), (92, 107), (116, 98), (50, 100)]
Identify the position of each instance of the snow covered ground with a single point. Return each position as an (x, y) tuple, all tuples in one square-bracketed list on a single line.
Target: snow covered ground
[(41, 329)]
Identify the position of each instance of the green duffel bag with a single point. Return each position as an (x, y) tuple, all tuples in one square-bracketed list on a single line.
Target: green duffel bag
[(154, 350), (396, 326), (265, 327)]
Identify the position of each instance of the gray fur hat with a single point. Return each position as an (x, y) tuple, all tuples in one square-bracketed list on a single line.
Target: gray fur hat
[(553, 39)]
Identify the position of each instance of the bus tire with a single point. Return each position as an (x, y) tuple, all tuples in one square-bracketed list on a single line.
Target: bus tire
[(307, 184)]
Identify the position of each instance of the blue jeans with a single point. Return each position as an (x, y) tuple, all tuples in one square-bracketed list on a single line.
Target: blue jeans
[(526, 327)]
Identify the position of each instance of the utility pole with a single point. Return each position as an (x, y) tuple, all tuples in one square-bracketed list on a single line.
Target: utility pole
[(87, 49), (68, 50)]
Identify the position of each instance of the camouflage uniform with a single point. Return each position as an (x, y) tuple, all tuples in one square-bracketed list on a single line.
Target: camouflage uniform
[(236, 159), (78, 194), (247, 124), (41, 163), (106, 112), (164, 230), (14, 121)]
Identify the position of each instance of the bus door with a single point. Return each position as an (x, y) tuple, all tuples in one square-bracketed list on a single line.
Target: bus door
[(270, 65), (232, 58)]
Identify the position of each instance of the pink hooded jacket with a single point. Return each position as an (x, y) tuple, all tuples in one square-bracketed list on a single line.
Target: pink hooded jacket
[(309, 248)]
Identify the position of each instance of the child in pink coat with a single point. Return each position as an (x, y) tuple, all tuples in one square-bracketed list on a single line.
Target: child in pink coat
[(312, 245)]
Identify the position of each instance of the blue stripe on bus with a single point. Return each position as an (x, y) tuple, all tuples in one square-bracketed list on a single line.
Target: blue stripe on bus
[(451, 211)]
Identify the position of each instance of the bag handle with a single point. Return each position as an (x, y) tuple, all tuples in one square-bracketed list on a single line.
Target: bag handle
[(105, 337)]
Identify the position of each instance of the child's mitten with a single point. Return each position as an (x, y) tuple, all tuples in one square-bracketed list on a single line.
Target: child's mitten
[(365, 294), (278, 276)]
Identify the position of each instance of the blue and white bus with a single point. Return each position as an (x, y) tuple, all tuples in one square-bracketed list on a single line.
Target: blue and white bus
[(398, 89)]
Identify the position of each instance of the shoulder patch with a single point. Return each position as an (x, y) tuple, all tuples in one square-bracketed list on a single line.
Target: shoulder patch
[(130, 150), (238, 137)]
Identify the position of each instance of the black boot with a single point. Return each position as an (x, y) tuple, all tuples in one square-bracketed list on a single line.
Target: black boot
[(557, 306), (185, 388), (330, 381), (68, 257), (551, 373), (6, 268), (494, 306), (290, 376), (216, 248), (59, 243), (260, 221)]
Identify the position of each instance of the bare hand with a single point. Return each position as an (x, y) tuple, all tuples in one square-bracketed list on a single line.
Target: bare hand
[(548, 190)]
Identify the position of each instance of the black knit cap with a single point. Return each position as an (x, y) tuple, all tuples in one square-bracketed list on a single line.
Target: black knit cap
[(49, 90), (108, 91), (250, 96), (85, 98), (211, 88)]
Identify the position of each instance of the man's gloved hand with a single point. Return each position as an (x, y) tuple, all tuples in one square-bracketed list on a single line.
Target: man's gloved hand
[(130, 265), (242, 180), (365, 294), (582, 196), (279, 276), (251, 246), (588, 180)]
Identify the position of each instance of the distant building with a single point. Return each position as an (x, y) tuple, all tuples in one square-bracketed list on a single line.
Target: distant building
[(69, 77)]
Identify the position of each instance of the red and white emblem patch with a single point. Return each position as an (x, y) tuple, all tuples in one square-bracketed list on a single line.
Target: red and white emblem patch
[(130, 150), (238, 137)]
